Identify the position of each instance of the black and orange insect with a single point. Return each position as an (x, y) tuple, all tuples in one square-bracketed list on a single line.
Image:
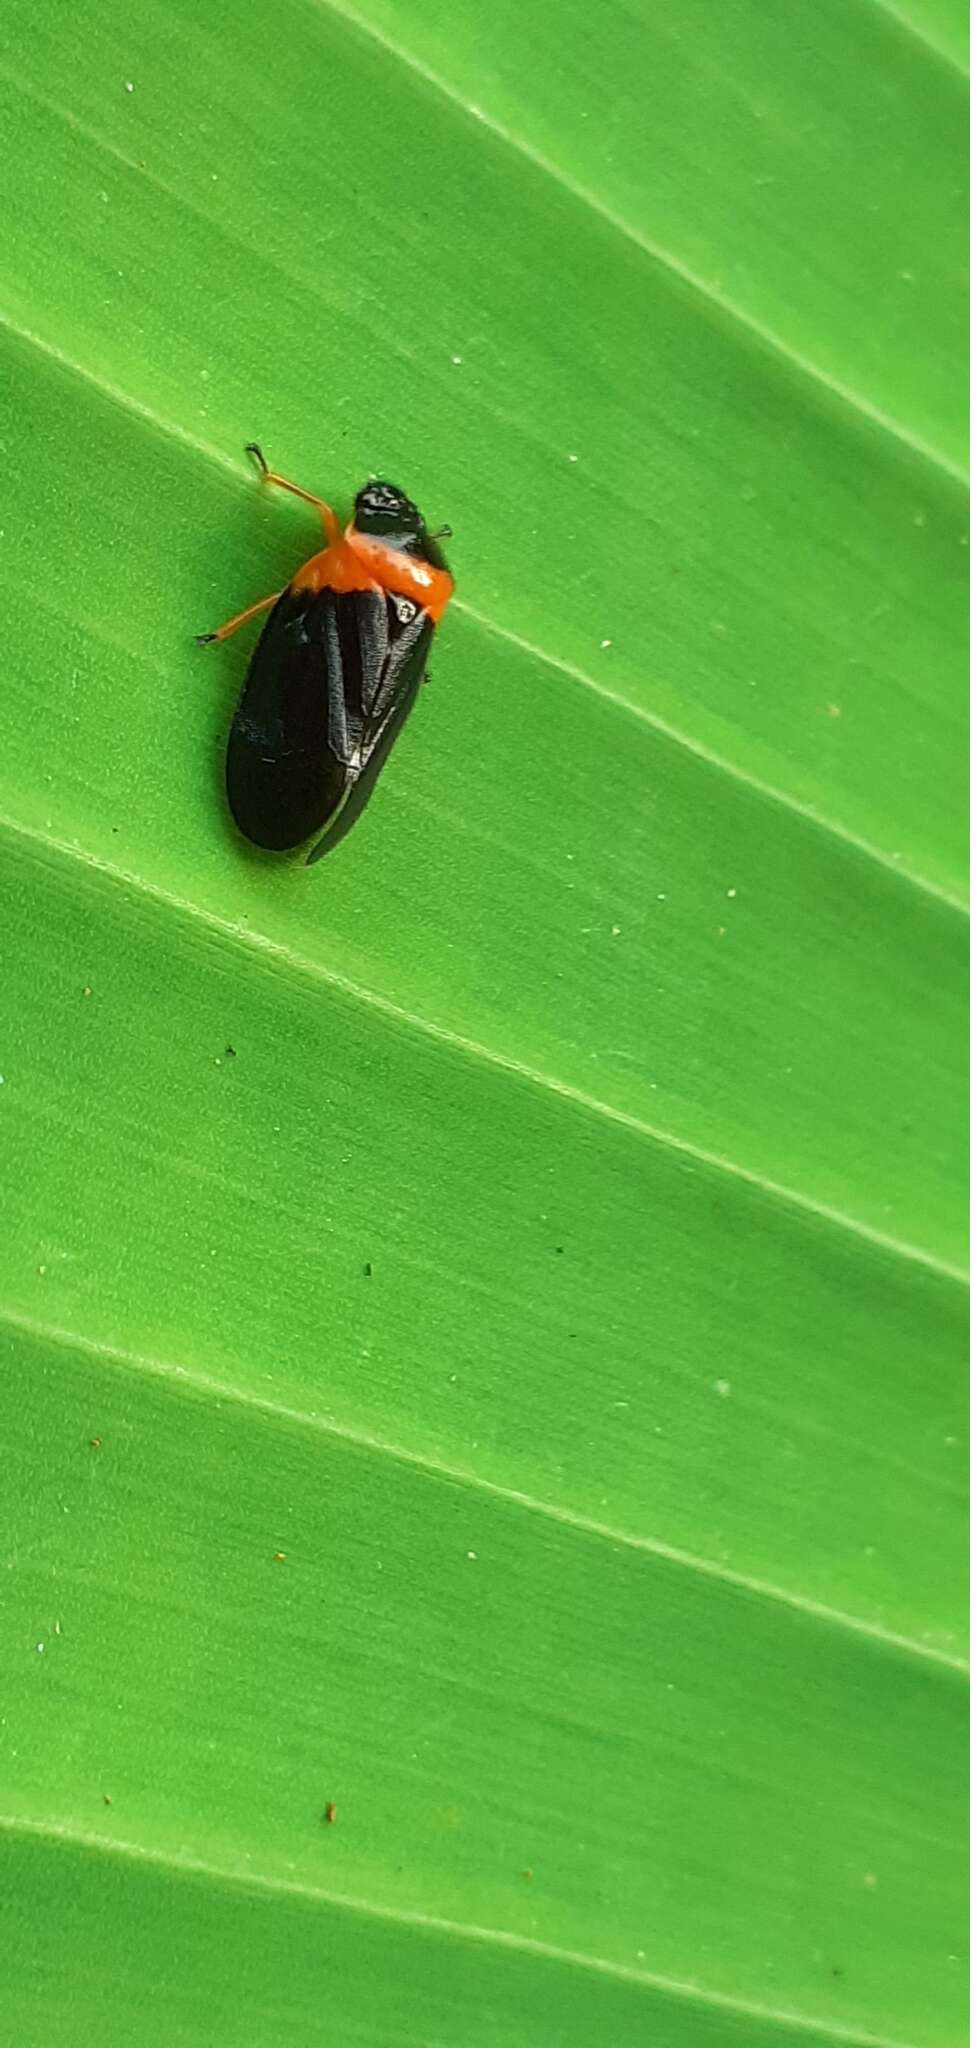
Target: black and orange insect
[(336, 670)]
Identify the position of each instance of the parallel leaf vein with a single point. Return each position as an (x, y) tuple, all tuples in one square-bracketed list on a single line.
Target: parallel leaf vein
[(919, 35), (585, 1526), (475, 1050), (246, 1880), (663, 258)]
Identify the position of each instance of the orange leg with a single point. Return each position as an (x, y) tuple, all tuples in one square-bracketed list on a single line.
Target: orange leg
[(328, 515), (252, 611)]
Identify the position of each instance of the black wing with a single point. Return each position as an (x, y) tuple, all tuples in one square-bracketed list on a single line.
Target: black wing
[(322, 701), (409, 633)]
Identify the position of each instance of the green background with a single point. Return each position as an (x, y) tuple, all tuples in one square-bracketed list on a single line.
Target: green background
[(485, 1323)]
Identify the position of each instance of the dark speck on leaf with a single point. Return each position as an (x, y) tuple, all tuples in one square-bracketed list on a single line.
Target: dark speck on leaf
[(230, 1052), (368, 1270)]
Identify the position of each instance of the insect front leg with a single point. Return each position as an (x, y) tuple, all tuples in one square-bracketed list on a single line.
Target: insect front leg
[(270, 476)]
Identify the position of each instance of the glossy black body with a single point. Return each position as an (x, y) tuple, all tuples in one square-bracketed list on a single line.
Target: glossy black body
[(383, 510), (329, 687)]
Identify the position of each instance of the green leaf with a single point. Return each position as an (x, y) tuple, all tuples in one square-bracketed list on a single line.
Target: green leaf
[(486, 1320)]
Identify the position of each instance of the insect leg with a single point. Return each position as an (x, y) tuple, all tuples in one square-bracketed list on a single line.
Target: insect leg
[(270, 476), (251, 612)]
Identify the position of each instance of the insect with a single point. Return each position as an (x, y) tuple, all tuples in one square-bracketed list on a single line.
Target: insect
[(336, 670)]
